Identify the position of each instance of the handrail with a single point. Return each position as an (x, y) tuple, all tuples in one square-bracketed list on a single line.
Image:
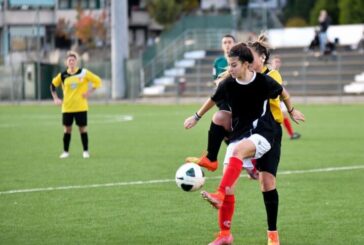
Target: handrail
[(189, 40)]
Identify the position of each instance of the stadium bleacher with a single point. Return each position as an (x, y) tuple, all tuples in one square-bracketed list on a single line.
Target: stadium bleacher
[(304, 73)]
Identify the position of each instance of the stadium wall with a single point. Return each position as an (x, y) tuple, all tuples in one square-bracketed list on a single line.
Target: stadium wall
[(302, 36)]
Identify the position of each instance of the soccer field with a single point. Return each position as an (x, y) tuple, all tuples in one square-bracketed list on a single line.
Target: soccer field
[(126, 194)]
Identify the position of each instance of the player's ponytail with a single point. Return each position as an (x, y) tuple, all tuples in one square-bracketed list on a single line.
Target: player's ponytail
[(262, 47)]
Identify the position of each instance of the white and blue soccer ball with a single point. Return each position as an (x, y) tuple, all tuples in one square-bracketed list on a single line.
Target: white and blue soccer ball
[(190, 177)]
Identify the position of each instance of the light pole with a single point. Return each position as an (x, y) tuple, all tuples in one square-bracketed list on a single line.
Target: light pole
[(119, 47)]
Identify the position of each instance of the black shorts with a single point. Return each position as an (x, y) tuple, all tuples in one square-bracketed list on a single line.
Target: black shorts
[(80, 118), (270, 160)]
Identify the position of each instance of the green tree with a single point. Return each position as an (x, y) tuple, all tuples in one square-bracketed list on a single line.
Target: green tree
[(165, 12), (296, 22), (332, 8), (351, 11), (297, 9), (188, 5)]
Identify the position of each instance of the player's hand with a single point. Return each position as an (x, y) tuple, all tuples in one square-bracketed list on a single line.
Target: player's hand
[(190, 122), (296, 116), (86, 95), (57, 101)]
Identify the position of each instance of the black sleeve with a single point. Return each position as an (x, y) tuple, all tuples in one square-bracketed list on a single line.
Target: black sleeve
[(53, 88), (220, 92), (274, 88)]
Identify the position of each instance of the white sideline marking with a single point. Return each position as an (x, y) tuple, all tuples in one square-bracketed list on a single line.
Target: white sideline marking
[(95, 119), (288, 172)]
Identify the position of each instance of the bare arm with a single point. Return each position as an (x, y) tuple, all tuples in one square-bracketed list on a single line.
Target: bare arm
[(296, 115), (56, 100), (192, 120), (88, 93)]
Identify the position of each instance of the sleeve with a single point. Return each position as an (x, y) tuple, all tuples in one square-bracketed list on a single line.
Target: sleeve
[(220, 92), (93, 78), (274, 88), (57, 80), (276, 76)]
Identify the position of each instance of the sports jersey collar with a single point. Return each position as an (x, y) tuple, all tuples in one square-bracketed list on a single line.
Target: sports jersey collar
[(77, 70), (246, 82)]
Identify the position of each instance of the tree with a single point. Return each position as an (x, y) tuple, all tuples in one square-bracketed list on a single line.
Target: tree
[(331, 6), (63, 34), (165, 12), (296, 22), (351, 11), (296, 9), (89, 29)]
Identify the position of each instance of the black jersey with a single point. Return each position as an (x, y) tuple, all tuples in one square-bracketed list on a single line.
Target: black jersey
[(250, 105)]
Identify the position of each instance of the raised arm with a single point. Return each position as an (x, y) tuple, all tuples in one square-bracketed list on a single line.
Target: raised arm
[(192, 120), (295, 114)]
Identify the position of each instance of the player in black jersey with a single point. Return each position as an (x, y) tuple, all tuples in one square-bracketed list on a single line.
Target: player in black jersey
[(221, 120), (253, 126)]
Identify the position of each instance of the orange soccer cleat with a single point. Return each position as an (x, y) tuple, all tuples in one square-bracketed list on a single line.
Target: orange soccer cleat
[(223, 238), (204, 162), (273, 238), (215, 199)]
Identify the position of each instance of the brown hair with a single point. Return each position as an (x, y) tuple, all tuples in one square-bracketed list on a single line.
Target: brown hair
[(243, 52), (261, 46)]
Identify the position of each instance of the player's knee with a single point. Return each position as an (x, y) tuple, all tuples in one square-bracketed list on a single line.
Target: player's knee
[(67, 129), (267, 181), (245, 149), (221, 118)]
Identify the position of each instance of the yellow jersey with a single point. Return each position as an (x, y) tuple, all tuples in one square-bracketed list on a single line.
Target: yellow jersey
[(275, 103), (74, 86)]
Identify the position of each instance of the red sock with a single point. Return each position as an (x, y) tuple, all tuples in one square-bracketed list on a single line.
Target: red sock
[(231, 174), (226, 213), (288, 126)]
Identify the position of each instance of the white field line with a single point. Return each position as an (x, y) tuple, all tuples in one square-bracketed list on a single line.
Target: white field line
[(288, 172)]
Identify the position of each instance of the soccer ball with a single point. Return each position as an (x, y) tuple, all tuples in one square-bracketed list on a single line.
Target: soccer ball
[(190, 177)]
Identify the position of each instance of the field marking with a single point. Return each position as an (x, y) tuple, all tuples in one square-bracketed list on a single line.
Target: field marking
[(288, 172), (94, 119)]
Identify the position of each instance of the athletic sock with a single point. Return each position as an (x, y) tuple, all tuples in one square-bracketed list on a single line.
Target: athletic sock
[(84, 138), (226, 213), (271, 201), (66, 141), (288, 126), (231, 174), (215, 137)]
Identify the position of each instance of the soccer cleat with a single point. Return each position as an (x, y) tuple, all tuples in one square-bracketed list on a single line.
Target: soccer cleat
[(215, 199), (273, 238), (86, 154), (223, 238), (204, 162), (295, 136), (64, 154), (252, 173)]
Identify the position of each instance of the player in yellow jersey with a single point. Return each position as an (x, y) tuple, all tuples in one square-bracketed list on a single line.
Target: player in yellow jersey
[(268, 165), (275, 65), (75, 86)]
